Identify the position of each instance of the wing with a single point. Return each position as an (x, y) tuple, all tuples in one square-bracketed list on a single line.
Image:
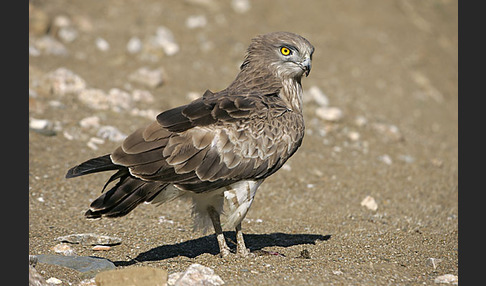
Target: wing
[(214, 141)]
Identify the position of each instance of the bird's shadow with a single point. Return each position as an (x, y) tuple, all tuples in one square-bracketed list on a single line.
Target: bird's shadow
[(208, 244)]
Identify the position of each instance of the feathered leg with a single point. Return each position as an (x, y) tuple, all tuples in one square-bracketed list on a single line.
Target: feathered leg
[(224, 250), (241, 249)]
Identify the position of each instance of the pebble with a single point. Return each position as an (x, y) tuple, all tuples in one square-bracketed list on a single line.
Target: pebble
[(197, 21), (111, 133), (102, 44), (101, 248), (333, 114), (94, 142), (385, 159), (90, 239), (90, 122), (134, 45), (165, 39), (370, 203), (87, 265), (197, 275), (140, 276), (147, 77), (447, 279), (54, 280), (116, 99), (389, 132), (44, 126), (433, 262), (240, 6), (353, 135), (63, 248), (142, 96), (360, 121), (35, 279), (63, 81), (314, 93), (47, 45), (147, 113)]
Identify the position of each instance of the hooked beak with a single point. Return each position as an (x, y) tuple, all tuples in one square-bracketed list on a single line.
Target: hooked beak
[(306, 66)]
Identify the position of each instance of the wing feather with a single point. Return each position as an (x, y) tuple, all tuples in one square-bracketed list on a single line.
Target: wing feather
[(212, 142)]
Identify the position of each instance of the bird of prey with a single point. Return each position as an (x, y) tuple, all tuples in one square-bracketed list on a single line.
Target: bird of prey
[(218, 148)]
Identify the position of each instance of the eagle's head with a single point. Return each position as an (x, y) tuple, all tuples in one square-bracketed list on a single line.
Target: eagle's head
[(286, 55)]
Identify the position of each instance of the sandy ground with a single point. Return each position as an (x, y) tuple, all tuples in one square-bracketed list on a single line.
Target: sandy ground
[(391, 67)]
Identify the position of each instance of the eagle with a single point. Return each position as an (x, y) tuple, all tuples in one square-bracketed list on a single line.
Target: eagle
[(218, 148)]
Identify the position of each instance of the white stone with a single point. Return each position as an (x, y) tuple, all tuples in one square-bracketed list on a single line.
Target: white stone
[(329, 113), (197, 21), (102, 44), (54, 280), (314, 93), (134, 45), (370, 203), (447, 279)]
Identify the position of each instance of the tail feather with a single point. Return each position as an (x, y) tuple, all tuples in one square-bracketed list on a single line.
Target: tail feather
[(127, 194), (124, 196), (98, 164)]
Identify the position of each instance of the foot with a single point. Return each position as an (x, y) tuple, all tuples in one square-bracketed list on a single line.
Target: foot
[(244, 252)]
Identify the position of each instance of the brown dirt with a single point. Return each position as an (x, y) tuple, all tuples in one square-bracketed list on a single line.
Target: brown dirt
[(389, 62)]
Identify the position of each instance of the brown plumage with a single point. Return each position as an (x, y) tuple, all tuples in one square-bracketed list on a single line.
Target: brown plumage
[(217, 148)]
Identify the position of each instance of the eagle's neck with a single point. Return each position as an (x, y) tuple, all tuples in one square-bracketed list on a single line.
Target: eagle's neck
[(291, 94), (289, 89)]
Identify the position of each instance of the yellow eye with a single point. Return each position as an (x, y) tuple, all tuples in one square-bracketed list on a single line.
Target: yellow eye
[(285, 51)]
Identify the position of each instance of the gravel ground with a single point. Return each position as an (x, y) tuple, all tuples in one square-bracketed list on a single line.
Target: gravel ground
[(381, 116)]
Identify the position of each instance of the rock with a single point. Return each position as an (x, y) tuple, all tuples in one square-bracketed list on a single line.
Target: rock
[(89, 266), (111, 133), (165, 39), (90, 239), (198, 274), (370, 203), (314, 93), (44, 126), (90, 122), (433, 262), (147, 113), (134, 45), (240, 6), (101, 248), (360, 121), (35, 279), (64, 249), (353, 135), (63, 81), (32, 260), (49, 46), (389, 132), (147, 77), (142, 96), (329, 113), (197, 21), (54, 280), (94, 142), (116, 99), (102, 44), (140, 276), (386, 159), (447, 279), (87, 282)]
